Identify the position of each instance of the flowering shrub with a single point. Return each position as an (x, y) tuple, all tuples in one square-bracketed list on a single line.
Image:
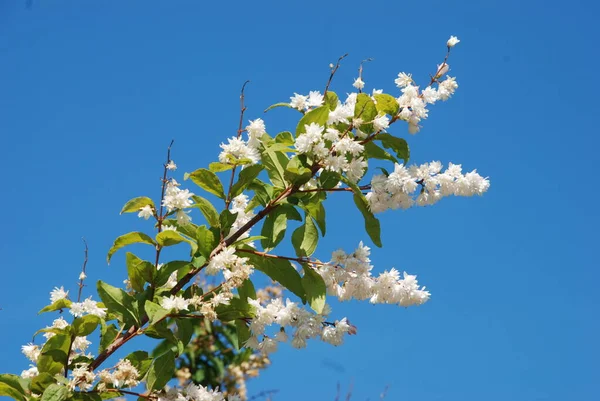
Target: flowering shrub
[(220, 334)]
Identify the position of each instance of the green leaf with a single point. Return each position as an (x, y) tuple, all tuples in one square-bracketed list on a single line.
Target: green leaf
[(206, 241), (169, 238), (281, 104), (55, 392), (227, 219), (128, 239), (386, 104), (163, 274), (305, 238), (217, 167), (315, 209), (236, 309), (243, 332), (246, 290), (275, 163), (280, 270), (139, 271), (10, 386), (365, 110), (247, 175), (208, 181), (286, 138), (208, 210), (118, 302), (374, 151), (155, 312), (185, 330), (320, 115), (398, 145), (296, 173), (316, 291), (53, 357), (60, 304), (273, 229), (161, 371), (108, 333), (85, 325), (371, 222), (331, 100), (135, 204), (41, 382), (329, 179)]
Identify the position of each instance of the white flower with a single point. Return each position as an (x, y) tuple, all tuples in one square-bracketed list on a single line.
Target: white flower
[(381, 122), (298, 101), (88, 306), (176, 198), (169, 228), (430, 95), (182, 217), (315, 99), (358, 83), (82, 276), (452, 41), (58, 294), (171, 165), (447, 88), (442, 69), (81, 344), (174, 302), (146, 212), (30, 373), (31, 351), (237, 150), (255, 130), (403, 80)]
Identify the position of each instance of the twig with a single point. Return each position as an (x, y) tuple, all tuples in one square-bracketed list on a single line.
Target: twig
[(299, 260), (82, 276), (333, 71), (161, 216), (362, 188), (360, 70), (264, 393), (239, 134)]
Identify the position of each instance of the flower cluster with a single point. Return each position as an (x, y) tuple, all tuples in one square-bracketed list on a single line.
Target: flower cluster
[(87, 307), (239, 205), (193, 392), (399, 189), (124, 374), (305, 103), (240, 151), (348, 276), (301, 324), (176, 198)]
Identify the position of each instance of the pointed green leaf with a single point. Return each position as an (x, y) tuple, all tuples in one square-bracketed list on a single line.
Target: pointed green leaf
[(108, 333), (41, 382), (386, 104), (60, 304), (85, 325), (227, 219), (217, 167), (365, 110), (285, 138), (247, 175), (275, 163), (161, 371), (118, 302), (155, 312), (243, 332), (331, 100), (280, 270), (139, 271), (398, 145), (372, 225), (53, 357), (128, 239), (305, 238), (163, 274), (10, 386), (169, 238), (208, 210), (281, 104), (320, 115), (316, 291), (208, 181), (375, 152), (55, 392), (135, 204), (206, 241)]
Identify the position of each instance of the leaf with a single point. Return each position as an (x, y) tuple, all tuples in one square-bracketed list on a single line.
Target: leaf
[(371, 222), (275, 163), (53, 357), (128, 239), (135, 204), (206, 241), (108, 333), (161, 371), (247, 175), (163, 274), (286, 138), (398, 145), (281, 104), (296, 173), (386, 104), (41, 382), (314, 207), (217, 167), (185, 330), (85, 325), (320, 115), (374, 151), (55, 392), (155, 312), (208, 210), (331, 100), (227, 219), (208, 181), (316, 291), (118, 302), (365, 110), (243, 332), (169, 238), (10, 386), (273, 229), (305, 238), (59, 304), (246, 290), (236, 309), (280, 270), (139, 271), (329, 179)]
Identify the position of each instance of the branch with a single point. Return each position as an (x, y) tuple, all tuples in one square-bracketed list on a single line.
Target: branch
[(239, 134), (299, 259), (344, 189), (82, 276), (333, 71)]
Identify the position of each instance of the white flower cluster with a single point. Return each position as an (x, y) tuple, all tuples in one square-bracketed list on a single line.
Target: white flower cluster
[(146, 212), (349, 277), (303, 103), (343, 112), (193, 392), (237, 149), (176, 198), (87, 307), (124, 374), (239, 205), (57, 294), (399, 189), (301, 323), (82, 377), (175, 302), (233, 267)]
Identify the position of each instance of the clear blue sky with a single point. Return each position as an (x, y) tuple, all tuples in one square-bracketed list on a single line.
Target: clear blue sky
[(91, 93)]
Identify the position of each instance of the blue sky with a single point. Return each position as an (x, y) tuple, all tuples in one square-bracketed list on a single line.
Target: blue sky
[(92, 92)]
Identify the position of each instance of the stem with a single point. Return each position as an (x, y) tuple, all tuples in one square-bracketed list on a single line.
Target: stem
[(333, 71), (345, 189), (239, 134), (85, 260), (299, 260), (161, 216)]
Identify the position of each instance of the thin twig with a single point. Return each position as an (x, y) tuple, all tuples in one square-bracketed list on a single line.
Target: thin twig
[(264, 393), (343, 189), (360, 70), (161, 216), (333, 71), (82, 276), (239, 134)]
